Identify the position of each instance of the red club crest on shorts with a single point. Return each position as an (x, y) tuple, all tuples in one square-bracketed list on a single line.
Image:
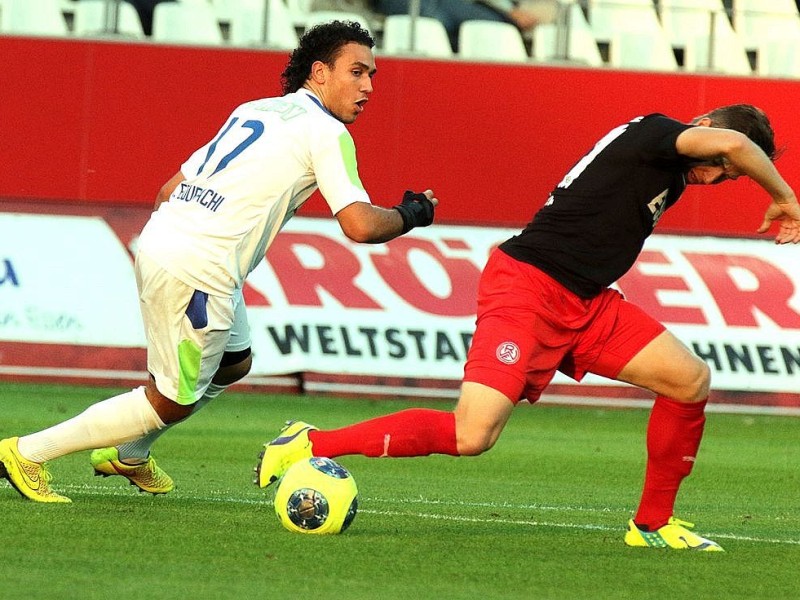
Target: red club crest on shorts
[(508, 352)]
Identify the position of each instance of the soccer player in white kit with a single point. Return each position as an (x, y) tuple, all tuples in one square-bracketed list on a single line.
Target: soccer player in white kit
[(213, 223)]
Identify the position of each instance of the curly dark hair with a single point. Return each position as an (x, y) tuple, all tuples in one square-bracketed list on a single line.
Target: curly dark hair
[(746, 119), (322, 42)]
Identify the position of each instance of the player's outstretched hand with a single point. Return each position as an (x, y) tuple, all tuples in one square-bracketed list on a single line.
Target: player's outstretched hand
[(788, 216), (417, 209)]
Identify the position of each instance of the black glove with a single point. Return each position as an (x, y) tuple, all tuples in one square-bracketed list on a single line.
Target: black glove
[(416, 210)]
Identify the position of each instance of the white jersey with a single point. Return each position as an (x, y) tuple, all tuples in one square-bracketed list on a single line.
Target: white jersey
[(242, 187)]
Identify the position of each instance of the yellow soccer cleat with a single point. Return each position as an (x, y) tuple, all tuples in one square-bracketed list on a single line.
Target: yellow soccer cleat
[(31, 479), (282, 452), (148, 476), (675, 534)]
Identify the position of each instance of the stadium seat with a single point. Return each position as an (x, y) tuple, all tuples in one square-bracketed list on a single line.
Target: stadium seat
[(491, 40), (430, 37), (779, 58), (570, 39), (755, 20), (649, 51), (186, 23), (24, 17), (325, 16), (607, 17), (772, 31), (247, 20), (299, 10), (90, 16), (762, 8), (633, 32), (701, 29)]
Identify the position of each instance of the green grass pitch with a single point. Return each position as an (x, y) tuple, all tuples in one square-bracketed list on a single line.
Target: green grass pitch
[(539, 516)]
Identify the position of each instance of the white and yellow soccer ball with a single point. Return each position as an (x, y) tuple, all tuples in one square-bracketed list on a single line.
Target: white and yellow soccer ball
[(316, 495)]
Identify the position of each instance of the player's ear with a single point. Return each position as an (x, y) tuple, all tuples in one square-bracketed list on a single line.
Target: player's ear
[(319, 71), (703, 122)]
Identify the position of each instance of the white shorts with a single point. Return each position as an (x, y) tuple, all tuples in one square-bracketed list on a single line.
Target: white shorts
[(187, 331)]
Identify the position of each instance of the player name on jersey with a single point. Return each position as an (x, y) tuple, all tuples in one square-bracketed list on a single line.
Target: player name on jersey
[(203, 196)]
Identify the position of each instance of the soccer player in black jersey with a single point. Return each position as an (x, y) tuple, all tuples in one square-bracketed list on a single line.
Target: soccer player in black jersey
[(544, 304)]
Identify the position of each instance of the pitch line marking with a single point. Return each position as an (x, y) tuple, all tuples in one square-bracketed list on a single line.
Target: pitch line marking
[(267, 501), (502, 505), (588, 527)]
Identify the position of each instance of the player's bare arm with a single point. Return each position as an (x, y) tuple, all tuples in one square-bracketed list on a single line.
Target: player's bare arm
[(367, 223), (728, 154), (167, 189)]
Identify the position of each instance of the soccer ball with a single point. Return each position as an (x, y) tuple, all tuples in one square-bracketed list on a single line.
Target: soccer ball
[(316, 495)]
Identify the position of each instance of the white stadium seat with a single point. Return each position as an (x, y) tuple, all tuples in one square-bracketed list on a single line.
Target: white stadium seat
[(299, 9), (702, 30), (491, 40), (569, 40), (649, 51), (772, 31), (247, 21), (779, 58), (28, 17), (633, 32), (430, 38), (606, 17), (325, 16), (89, 19), (184, 22)]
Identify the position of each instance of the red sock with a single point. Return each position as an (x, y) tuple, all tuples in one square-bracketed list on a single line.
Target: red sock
[(412, 432), (673, 437)]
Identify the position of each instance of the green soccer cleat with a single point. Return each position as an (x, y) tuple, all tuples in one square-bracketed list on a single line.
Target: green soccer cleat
[(282, 452), (675, 534), (148, 476), (31, 479)]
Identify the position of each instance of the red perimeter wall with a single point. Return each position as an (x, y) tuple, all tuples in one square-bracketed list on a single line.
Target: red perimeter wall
[(105, 122)]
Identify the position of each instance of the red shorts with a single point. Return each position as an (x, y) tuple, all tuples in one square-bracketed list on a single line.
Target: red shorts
[(529, 326)]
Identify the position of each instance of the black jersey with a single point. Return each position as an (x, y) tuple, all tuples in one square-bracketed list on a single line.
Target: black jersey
[(595, 222)]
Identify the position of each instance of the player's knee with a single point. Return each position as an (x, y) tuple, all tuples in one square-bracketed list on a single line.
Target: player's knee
[(474, 442), (233, 367), (698, 383), (481, 414), (167, 410)]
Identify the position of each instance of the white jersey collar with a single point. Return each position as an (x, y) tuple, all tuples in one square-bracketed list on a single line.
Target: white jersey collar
[(313, 97)]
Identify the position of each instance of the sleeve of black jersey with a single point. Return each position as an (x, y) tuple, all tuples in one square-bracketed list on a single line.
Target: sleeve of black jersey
[(659, 134)]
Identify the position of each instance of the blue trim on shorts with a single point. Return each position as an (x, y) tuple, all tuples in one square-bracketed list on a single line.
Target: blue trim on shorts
[(196, 311)]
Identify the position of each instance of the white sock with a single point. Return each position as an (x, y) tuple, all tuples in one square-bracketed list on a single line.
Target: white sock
[(137, 451), (108, 423)]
